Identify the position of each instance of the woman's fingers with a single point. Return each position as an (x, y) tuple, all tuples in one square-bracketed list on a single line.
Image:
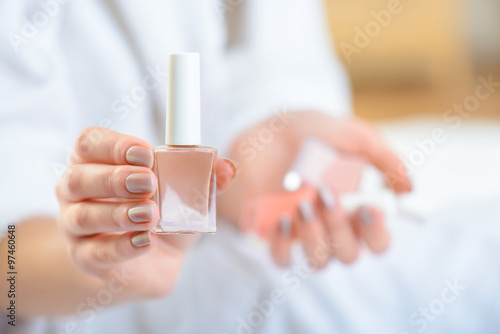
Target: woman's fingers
[(369, 223), (370, 145), (313, 235), (101, 145), (329, 232), (87, 218), (281, 242), (358, 137), (342, 237), (105, 250), (226, 171), (88, 181)]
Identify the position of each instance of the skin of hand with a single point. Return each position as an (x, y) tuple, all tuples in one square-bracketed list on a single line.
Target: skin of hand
[(106, 213), (263, 160)]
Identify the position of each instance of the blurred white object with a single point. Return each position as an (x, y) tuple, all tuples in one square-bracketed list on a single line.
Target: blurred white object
[(315, 158)]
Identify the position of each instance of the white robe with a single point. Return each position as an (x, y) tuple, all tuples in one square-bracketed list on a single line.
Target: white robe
[(102, 63)]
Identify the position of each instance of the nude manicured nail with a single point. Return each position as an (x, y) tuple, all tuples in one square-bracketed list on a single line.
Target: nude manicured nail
[(141, 213), (307, 211), (140, 156), (232, 165), (286, 226), (141, 239), (139, 183), (365, 215), (327, 198)]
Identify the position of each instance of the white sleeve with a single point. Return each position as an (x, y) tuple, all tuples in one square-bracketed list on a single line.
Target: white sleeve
[(35, 115), (278, 57)]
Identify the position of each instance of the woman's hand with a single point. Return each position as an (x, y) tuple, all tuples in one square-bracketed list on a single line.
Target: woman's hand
[(320, 224), (106, 213)]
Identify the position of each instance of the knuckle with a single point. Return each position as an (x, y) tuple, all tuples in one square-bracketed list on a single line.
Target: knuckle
[(102, 254), (118, 148), (122, 249), (86, 138), (73, 181), (118, 217), (81, 141), (79, 218), (113, 180)]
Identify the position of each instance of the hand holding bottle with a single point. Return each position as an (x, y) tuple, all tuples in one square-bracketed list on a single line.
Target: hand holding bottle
[(319, 223), (106, 212)]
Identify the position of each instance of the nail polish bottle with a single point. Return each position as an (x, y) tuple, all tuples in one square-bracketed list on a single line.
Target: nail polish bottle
[(185, 171)]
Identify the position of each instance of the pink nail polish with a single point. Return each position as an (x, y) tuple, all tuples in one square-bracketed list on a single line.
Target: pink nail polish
[(185, 171), (327, 197), (307, 211), (366, 215), (286, 226)]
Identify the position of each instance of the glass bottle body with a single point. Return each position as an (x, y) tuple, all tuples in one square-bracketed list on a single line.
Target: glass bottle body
[(186, 189)]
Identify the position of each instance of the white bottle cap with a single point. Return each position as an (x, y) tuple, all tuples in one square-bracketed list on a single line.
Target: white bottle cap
[(183, 100)]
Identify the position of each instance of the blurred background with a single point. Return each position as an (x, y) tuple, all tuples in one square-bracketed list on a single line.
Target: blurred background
[(422, 59), (411, 62)]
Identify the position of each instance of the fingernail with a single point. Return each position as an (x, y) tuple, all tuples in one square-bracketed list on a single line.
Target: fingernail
[(307, 211), (365, 215), (141, 239), (232, 166), (139, 183), (286, 226), (141, 213), (140, 156), (327, 198)]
